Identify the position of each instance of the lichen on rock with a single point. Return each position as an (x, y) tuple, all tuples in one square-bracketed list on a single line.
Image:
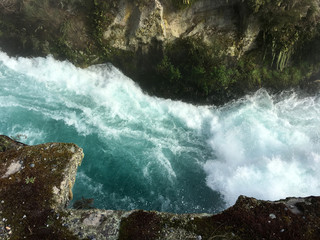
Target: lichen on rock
[(34, 187)]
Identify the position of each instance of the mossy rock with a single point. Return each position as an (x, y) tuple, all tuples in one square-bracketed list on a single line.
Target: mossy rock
[(35, 186)]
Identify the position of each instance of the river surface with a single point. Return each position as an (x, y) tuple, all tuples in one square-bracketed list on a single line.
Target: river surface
[(143, 152)]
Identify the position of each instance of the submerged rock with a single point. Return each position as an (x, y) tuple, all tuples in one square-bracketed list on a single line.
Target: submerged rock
[(33, 201)]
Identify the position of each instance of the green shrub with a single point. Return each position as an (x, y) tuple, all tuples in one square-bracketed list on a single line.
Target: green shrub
[(195, 67), (166, 69)]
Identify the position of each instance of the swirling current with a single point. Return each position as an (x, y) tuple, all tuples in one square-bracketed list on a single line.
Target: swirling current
[(143, 152)]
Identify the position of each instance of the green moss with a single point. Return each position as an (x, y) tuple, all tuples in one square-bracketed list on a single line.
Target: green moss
[(7, 144), (194, 69), (187, 69), (250, 219), (100, 17), (283, 28), (27, 195), (247, 219), (255, 5), (191, 66), (166, 69), (140, 225)]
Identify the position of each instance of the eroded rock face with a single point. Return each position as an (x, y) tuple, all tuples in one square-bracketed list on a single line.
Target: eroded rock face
[(233, 47), (7, 143), (249, 218), (138, 24), (35, 184)]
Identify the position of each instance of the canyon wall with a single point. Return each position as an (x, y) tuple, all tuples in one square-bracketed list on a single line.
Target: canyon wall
[(195, 50)]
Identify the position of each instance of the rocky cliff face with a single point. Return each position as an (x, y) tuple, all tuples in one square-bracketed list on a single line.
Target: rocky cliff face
[(36, 184), (195, 50), (140, 24)]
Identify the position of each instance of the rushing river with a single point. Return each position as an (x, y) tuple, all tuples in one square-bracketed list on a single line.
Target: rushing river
[(155, 154)]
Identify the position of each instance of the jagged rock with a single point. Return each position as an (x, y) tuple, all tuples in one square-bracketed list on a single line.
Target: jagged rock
[(33, 200), (35, 185), (249, 218), (6, 143)]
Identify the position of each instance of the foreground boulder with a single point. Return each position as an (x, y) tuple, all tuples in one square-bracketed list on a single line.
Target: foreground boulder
[(36, 183), (35, 186)]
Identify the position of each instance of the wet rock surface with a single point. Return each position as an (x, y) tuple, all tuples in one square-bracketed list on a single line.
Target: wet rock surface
[(36, 182)]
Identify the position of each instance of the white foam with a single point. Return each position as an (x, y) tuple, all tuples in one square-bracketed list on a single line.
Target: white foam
[(89, 183), (266, 149), (262, 145), (100, 99), (26, 134)]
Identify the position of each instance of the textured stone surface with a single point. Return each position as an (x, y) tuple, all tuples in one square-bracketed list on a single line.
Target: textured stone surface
[(249, 218), (35, 184)]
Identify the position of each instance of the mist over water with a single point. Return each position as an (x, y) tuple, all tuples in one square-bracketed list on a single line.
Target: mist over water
[(155, 154)]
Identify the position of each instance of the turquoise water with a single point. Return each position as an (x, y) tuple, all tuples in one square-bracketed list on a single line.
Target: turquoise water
[(155, 154)]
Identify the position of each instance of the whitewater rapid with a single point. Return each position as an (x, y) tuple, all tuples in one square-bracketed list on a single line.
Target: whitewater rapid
[(150, 153)]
